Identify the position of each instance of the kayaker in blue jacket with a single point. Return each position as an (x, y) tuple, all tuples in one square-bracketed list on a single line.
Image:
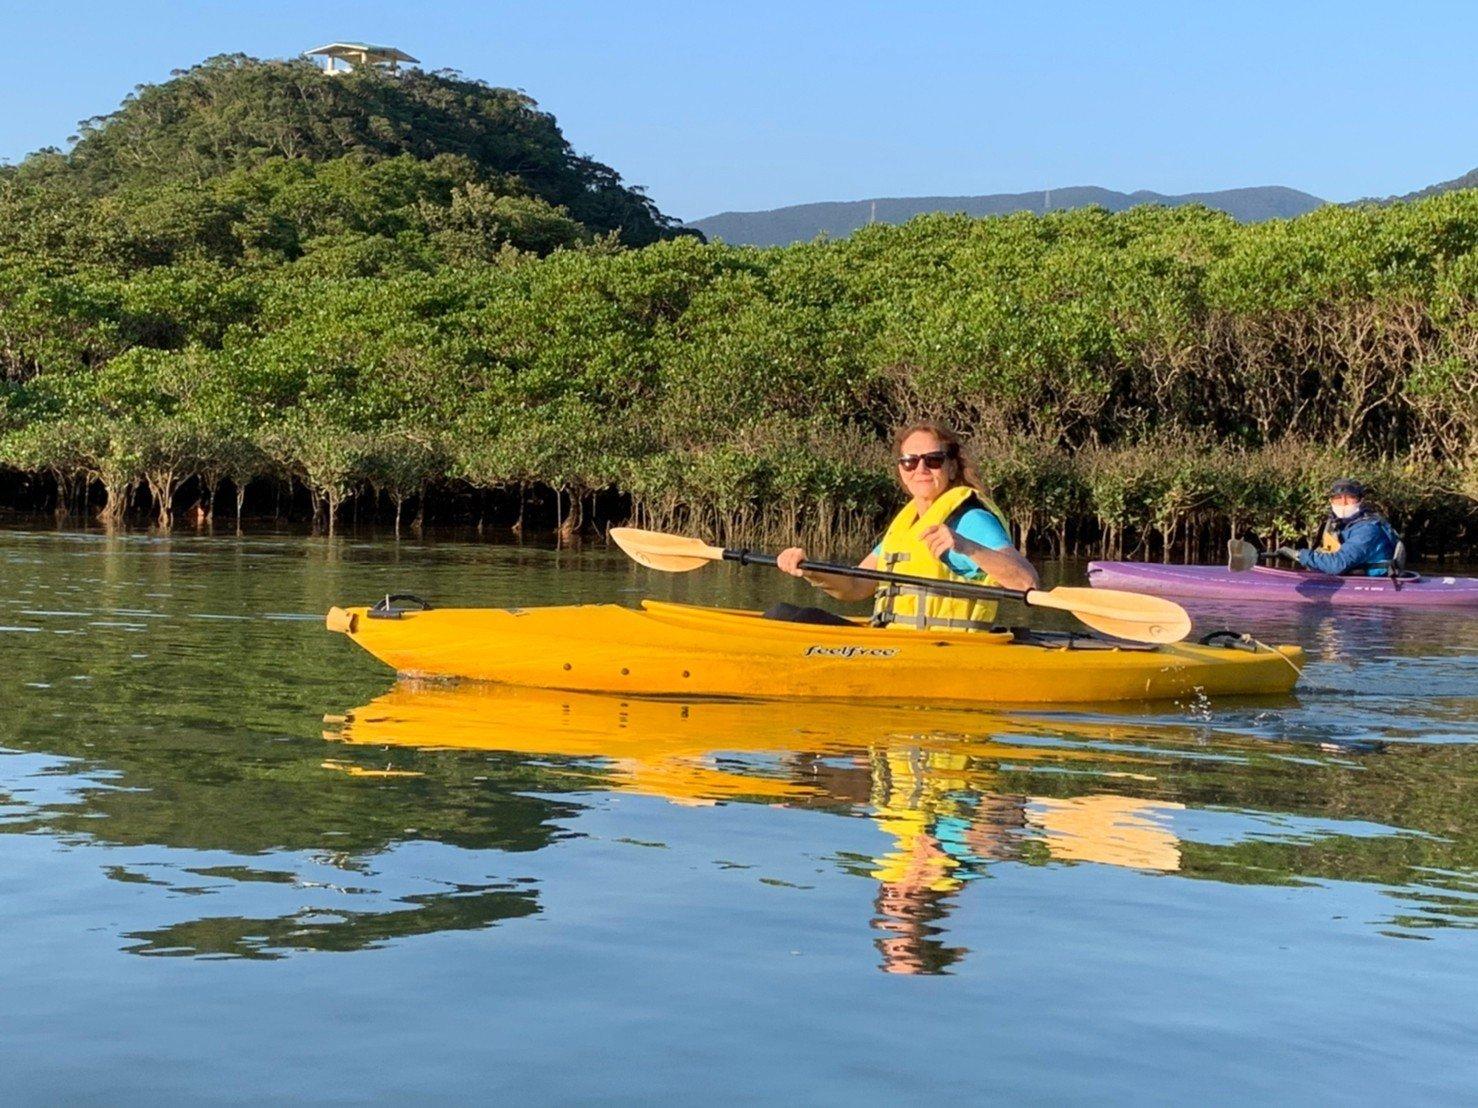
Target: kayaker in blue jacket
[(1357, 539)]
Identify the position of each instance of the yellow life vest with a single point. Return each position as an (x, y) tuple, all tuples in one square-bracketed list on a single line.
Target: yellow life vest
[(903, 551)]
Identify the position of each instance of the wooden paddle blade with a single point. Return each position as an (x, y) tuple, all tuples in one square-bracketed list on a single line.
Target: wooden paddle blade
[(1241, 556), (1124, 615), (669, 553)]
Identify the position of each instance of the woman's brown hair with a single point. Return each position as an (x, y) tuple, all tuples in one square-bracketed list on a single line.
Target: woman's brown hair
[(964, 468)]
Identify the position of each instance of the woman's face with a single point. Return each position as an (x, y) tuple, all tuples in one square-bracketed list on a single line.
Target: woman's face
[(921, 482)]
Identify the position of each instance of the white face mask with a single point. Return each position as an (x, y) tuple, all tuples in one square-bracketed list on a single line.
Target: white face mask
[(1344, 511)]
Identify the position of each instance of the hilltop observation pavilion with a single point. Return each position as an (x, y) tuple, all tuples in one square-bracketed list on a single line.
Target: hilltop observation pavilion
[(353, 55)]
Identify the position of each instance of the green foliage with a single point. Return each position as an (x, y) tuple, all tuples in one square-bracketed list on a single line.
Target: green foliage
[(380, 287), (233, 113), (239, 162)]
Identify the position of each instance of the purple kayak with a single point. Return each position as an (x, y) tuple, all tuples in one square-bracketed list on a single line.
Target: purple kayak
[(1283, 585)]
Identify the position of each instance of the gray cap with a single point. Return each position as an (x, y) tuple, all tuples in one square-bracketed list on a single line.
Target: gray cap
[(1347, 486)]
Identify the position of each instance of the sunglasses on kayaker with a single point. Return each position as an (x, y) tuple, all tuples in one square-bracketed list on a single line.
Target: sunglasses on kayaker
[(934, 459)]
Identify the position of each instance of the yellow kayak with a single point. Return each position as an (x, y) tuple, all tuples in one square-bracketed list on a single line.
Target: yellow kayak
[(677, 650)]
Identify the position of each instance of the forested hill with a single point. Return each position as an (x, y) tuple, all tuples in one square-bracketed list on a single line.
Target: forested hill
[(1467, 181), (240, 159), (803, 222)]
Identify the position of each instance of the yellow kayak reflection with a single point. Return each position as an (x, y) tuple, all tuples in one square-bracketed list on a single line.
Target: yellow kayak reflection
[(936, 782)]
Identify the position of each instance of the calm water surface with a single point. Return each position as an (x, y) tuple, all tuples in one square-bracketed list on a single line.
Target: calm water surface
[(239, 861)]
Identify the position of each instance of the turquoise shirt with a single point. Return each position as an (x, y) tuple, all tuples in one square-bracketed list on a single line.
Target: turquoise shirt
[(977, 525)]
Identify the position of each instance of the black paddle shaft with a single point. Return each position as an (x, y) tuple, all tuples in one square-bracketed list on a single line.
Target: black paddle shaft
[(947, 588)]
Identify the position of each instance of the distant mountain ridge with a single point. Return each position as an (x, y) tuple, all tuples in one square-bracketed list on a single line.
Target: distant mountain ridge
[(801, 222), (1468, 180)]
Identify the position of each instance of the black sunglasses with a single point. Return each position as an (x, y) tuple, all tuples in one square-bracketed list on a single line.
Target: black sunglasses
[(934, 459)]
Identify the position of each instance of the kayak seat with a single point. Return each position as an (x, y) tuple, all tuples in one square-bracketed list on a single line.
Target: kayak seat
[(794, 613), (1398, 565), (1395, 568)]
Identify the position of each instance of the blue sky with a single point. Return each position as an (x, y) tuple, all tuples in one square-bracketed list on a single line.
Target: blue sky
[(716, 106)]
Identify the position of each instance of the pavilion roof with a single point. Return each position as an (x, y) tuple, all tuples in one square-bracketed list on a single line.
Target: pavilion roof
[(378, 53)]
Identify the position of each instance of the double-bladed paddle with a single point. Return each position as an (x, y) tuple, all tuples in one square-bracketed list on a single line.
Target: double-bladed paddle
[(1242, 556), (1124, 615)]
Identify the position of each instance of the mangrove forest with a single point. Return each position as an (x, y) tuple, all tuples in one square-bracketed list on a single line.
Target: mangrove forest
[(258, 291)]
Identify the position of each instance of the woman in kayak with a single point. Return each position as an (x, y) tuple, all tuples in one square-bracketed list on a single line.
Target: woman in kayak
[(1357, 539), (948, 531)]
